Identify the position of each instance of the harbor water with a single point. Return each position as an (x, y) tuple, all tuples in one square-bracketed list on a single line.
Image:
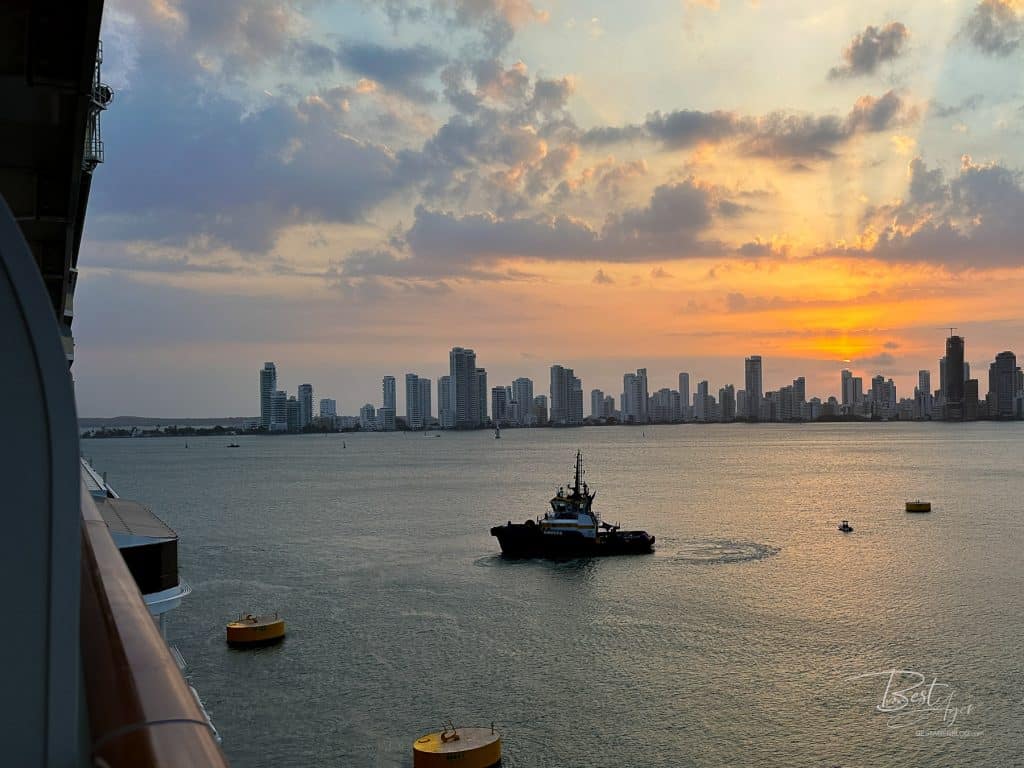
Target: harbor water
[(757, 634)]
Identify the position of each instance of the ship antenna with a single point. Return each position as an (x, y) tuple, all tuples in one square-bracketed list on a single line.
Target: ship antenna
[(579, 469)]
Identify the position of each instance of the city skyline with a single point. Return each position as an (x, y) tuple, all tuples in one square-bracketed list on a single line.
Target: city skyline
[(463, 397), (343, 194)]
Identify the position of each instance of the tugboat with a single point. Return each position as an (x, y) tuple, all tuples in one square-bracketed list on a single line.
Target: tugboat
[(845, 527), (570, 529)]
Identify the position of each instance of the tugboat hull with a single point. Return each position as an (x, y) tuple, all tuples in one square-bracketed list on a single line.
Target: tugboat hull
[(527, 540)]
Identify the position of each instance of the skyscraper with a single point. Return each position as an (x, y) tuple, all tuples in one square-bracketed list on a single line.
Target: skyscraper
[(388, 388), (465, 401), (596, 403), (268, 385), (328, 407), (634, 388), (846, 387), (953, 410), (924, 381), (752, 382), (566, 397), (305, 405), (445, 404), (499, 405), (481, 396), (413, 403), (279, 411), (426, 410), (522, 394), (575, 401), (1003, 385), (727, 402), (684, 390)]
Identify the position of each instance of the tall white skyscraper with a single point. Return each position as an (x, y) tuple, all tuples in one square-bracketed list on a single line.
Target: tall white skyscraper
[(388, 387), (522, 394), (279, 411), (753, 386), (413, 403), (426, 409), (566, 396), (481, 395), (305, 405), (634, 387), (445, 402), (268, 385), (464, 383), (596, 403), (684, 390)]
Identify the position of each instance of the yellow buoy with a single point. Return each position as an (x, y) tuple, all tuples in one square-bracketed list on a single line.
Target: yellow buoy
[(919, 506), (463, 747), (255, 630)]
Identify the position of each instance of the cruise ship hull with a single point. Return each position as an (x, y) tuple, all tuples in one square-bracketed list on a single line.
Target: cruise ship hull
[(527, 540)]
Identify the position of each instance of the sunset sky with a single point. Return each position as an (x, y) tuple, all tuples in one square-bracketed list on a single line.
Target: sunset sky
[(350, 189)]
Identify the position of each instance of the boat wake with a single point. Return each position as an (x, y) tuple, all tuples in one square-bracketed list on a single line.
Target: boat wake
[(722, 551)]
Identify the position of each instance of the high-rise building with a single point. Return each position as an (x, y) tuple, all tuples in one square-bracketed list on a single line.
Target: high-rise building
[(426, 410), (367, 417), (414, 417), (684, 390), (445, 403), (522, 395), (268, 385), (634, 389), (1003, 386), (608, 409), (481, 394), (388, 389), (846, 387), (752, 381), (924, 380), (700, 402), (596, 404), (279, 411), (499, 405), (566, 397), (539, 410), (663, 406), (465, 388), (328, 407), (953, 410), (727, 403), (293, 411), (305, 405), (386, 419)]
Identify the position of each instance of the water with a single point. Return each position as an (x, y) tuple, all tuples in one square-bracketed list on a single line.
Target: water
[(734, 644)]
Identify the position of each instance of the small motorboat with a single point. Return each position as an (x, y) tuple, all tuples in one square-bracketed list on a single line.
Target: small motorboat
[(919, 506), (250, 630), (845, 527), (234, 445)]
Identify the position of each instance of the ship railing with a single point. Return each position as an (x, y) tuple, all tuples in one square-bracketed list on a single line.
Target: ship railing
[(141, 710)]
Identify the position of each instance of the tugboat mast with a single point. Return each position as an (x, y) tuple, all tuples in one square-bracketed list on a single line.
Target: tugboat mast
[(579, 470)]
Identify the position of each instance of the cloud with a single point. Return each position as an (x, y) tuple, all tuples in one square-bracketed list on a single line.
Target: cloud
[(782, 135), (975, 220), (400, 69), (938, 109), (995, 27), (870, 48), (446, 244)]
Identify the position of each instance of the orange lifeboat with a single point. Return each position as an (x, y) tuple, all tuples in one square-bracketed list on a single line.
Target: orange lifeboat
[(255, 630)]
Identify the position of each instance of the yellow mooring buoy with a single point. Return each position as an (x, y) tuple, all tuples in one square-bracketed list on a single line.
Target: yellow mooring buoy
[(458, 748)]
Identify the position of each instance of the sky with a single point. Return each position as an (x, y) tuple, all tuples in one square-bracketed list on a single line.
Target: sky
[(351, 189)]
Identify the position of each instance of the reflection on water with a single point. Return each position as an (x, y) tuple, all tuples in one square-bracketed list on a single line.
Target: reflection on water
[(734, 644)]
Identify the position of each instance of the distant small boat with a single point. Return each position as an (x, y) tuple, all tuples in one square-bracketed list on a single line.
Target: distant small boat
[(250, 630), (845, 527), (343, 444), (497, 432), (234, 445), (919, 506)]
